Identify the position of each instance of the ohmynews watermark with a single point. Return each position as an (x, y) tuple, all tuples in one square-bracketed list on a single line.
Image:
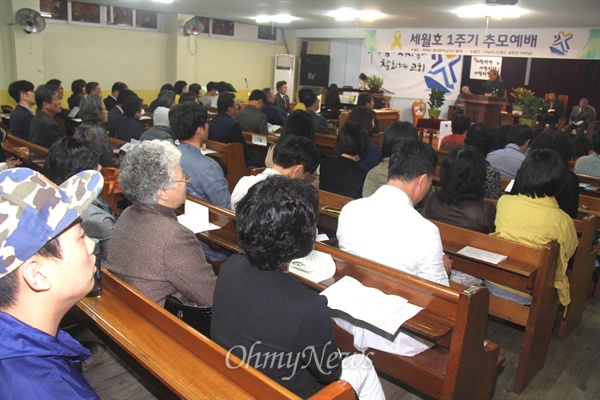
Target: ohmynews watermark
[(324, 359)]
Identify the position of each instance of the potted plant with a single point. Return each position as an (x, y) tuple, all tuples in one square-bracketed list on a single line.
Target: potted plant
[(375, 82), (436, 101), (527, 104)]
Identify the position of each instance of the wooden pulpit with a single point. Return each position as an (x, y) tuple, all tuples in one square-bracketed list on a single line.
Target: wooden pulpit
[(484, 109)]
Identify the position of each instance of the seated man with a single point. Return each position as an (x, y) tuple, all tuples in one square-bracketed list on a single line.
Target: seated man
[(312, 104), (189, 125), (111, 100), (282, 100), (46, 266), (590, 165), (509, 159), (224, 128), (250, 118), (21, 116), (296, 157), (552, 110), (43, 129), (93, 88), (581, 116), (62, 118), (387, 229), (263, 314), (211, 90), (273, 114)]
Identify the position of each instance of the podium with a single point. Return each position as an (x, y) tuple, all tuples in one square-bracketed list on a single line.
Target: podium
[(484, 109)]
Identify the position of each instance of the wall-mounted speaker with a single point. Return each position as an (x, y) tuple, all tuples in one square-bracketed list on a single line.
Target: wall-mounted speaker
[(314, 70)]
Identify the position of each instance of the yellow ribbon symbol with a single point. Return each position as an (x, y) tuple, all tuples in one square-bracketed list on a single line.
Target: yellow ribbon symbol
[(397, 43)]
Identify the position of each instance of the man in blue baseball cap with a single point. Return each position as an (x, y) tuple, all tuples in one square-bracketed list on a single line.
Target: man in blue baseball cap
[(46, 266)]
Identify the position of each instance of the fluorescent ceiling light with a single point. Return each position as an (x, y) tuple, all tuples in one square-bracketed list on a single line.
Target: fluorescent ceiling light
[(162, 1), (349, 14), (496, 12), (275, 19)]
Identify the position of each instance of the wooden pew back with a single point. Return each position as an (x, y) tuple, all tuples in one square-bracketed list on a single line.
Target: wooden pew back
[(231, 156), (462, 365), (580, 274), (527, 269), (187, 362), (35, 158)]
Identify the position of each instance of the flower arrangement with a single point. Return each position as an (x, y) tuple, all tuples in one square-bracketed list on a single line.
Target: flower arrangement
[(526, 102)]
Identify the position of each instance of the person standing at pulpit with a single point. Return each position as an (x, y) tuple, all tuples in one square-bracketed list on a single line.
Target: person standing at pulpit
[(495, 86), (552, 110)]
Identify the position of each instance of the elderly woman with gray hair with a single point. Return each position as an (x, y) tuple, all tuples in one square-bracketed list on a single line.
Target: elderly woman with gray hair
[(150, 249), (93, 114)]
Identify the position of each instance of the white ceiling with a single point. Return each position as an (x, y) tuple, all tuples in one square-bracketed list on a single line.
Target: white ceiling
[(400, 13)]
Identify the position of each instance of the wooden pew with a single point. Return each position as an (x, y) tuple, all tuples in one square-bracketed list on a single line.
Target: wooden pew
[(329, 203), (326, 143), (34, 158), (580, 275), (527, 269), (462, 364), (185, 361), (592, 181), (231, 157)]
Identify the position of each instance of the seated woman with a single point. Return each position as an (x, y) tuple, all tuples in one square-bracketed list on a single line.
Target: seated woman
[(66, 158), (532, 216), (482, 137), (460, 123), (150, 249), (341, 174), (554, 139), (460, 200), (396, 133), (298, 123), (93, 114), (130, 127), (590, 164), (365, 117), (260, 311)]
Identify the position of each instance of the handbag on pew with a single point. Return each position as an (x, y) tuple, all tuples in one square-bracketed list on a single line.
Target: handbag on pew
[(196, 317)]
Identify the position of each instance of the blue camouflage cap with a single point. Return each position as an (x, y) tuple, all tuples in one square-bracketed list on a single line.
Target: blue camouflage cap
[(33, 210)]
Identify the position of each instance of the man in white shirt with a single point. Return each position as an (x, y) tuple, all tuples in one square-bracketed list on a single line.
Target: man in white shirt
[(387, 229), (295, 157)]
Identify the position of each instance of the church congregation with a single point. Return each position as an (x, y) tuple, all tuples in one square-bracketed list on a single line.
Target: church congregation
[(283, 175)]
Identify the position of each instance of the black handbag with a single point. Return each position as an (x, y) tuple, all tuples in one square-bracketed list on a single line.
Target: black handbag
[(196, 317)]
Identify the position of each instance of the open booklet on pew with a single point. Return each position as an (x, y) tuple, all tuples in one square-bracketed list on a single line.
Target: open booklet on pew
[(384, 311), (195, 218)]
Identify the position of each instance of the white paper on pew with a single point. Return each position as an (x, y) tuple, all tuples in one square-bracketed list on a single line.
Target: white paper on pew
[(195, 218), (207, 151), (445, 130), (316, 267), (480, 254), (509, 186), (259, 140), (367, 304)]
